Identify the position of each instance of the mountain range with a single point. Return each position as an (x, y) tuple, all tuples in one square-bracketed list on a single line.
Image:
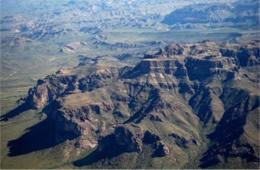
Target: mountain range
[(238, 14), (190, 105)]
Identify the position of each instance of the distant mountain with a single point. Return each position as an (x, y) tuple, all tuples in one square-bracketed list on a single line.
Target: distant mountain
[(188, 106), (240, 14)]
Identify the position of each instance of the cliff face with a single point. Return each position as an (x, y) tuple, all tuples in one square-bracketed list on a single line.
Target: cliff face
[(173, 105)]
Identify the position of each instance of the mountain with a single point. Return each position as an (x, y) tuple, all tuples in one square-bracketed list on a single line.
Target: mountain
[(40, 37), (238, 14), (190, 105)]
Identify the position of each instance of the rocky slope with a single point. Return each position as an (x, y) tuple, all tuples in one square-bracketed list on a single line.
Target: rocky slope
[(187, 106)]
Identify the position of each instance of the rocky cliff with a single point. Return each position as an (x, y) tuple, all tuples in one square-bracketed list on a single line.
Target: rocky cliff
[(187, 106)]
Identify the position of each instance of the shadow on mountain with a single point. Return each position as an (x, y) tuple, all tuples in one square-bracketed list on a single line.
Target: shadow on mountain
[(226, 137), (37, 137), (15, 112), (107, 149)]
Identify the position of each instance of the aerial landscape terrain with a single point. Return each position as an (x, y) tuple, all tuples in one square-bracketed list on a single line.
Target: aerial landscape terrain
[(126, 84)]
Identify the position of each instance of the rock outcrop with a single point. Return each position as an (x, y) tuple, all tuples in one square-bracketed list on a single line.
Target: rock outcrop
[(129, 137), (161, 150)]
